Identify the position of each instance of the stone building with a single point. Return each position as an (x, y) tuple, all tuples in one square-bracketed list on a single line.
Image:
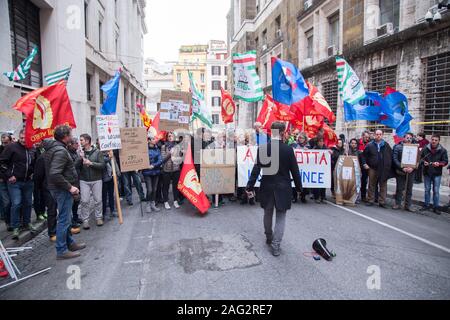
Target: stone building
[(95, 37)]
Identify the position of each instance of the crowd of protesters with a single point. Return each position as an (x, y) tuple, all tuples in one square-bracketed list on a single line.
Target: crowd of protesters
[(67, 180)]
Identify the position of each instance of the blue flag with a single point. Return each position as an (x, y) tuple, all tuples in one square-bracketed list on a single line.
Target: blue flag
[(111, 88), (396, 113), (369, 108), (288, 84)]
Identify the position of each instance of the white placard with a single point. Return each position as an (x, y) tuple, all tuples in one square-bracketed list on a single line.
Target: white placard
[(410, 155), (347, 173), (108, 128), (246, 157), (315, 168)]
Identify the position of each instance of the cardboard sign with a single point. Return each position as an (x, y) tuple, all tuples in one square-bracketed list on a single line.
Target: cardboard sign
[(347, 180), (246, 157), (315, 168), (108, 129), (134, 153), (410, 156), (174, 110), (218, 171)]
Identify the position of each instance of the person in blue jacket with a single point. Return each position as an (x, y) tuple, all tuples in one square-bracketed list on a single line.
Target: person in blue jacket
[(152, 175)]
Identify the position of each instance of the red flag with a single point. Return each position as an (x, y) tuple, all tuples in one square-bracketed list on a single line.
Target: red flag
[(154, 129), (329, 136), (267, 115), (228, 107), (45, 109), (389, 90), (283, 112), (189, 184), (146, 120), (321, 105)]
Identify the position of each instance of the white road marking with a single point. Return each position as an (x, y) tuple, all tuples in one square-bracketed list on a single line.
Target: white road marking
[(134, 262), (393, 228)]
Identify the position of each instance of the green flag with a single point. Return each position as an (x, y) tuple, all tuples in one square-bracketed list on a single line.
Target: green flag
[(199, 109)]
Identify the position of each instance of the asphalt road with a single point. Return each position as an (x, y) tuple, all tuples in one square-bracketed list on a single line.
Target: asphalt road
[(179, 255)]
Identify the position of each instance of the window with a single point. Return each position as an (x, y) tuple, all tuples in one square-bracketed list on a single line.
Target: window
[(215, 85), (264, 37), (334, 30), (215, 119), (102, 94), (225, 72), (226, 85), (202, 91), (116, 9), (437, 93), (310, 43), (257, 43), (88, 87), (380, 79), (215, 70), (265, 82), (277, 26), (390, 12), (116, 44), (202, 77), (330, 93), (100, 33), (179, 77), (86, 28), (216, 101), (25, 35)]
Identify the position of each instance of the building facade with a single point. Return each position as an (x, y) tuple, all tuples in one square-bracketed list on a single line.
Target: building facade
[(157, 77), (95, 37)]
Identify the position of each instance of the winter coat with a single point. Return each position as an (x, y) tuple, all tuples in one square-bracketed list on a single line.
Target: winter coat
[(356, 153), (108, 171), (17, 161), (95, 171), (172, 157), (381, 161), (276, 187), (397, 154), (155, 157), (337, 152), (440, 156), (59, 166)]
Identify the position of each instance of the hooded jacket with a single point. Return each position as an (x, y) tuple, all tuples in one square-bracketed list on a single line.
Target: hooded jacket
[(95, 171), (440, 155), (17, 161)]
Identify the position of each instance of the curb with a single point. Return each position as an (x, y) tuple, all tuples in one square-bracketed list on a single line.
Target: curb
[(25, 236)]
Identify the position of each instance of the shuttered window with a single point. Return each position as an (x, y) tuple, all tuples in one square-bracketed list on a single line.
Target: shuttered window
[(25, 35), (437, 94), (330, 93)]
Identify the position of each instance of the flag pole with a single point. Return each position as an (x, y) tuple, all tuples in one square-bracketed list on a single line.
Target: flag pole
[(116, 186)]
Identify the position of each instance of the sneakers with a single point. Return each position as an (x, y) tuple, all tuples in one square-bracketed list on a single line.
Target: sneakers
[(276, 250), (153, 207), (68, 255), (40, 217), (396, 207), (100, 223), (269, 241), (167, 206), (77, 247), (15, 234), (436, 211), (409, 209), (86, 225), (176, 205), (31, 228)]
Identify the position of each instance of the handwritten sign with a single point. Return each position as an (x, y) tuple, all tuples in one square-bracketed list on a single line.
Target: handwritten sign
[(315, 168), (134, 153), (108, 129), (218, 180), (410, 156), (174, 110)]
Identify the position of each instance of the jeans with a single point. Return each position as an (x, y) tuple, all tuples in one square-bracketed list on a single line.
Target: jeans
[(151, 182), (64, 238), (108, 196), (280, 223), (86, 189), (21, 195), (401, 186), (436, 182), (137, 184), (5, 202), (169, 177)]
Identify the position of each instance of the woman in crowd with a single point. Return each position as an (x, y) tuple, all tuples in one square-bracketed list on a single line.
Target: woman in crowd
[(302, 144), (108, 186), (320, 194), (152, 175), (338, 151), (172, 158)]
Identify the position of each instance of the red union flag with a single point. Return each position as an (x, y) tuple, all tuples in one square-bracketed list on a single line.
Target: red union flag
[(45, 109), (189, 184), (228, 107), (267, 115)]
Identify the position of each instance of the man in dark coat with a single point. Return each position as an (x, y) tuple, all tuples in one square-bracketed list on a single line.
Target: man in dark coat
[(278, 162), (378, 160)]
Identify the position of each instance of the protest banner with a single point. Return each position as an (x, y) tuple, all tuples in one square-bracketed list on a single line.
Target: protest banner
[(246, 158), (218, 169), (134, 153), (410, 156), (315, 168), (347, 180), (174, 110), (108, 129)]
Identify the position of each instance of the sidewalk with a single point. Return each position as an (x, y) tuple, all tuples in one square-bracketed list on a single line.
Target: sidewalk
[(419, 193), (25, 236)]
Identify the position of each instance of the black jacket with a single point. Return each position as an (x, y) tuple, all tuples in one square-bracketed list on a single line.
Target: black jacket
[(95, 171), (379, 161), (335, 156), (17, 161), (356, 153), (59, 166), (40, 181), (277, 186), (440, 155), (397, 154)]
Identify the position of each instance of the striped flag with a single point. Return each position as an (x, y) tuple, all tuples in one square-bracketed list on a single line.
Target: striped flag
[(199, 109), (55, 77), (247, 85), (351, 89), (21, 72)]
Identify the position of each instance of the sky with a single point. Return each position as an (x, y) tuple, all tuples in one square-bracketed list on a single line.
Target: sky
[(172, 23)]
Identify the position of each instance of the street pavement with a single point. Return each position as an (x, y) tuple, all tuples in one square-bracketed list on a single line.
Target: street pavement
[(178, 254)]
